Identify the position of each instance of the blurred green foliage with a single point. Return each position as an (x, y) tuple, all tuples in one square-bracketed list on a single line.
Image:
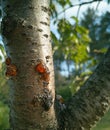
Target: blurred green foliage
[(73, 41), (4, 97), (81, 44), (4, 116), (3, 85), (99, 32)]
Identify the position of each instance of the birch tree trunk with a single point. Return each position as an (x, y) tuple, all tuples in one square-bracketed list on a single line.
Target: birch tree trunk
[(26, 34)]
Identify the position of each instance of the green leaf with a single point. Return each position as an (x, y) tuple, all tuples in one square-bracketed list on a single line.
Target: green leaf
[(2, 50), (75, 19)]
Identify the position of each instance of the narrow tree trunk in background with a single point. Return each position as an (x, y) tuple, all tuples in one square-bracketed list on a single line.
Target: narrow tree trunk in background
[(26, 34)]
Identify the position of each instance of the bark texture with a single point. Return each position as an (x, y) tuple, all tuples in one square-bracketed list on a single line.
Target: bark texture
[(90, 103), (26, 35)]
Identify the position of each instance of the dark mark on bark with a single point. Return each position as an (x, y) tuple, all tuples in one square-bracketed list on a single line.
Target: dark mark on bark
[(45, 9), (40, 30), (47, 58), (45, 84), (31, 7), (29, 86), (34, 43), (30, 26), (50, 40), (33, 51), (23, 34), (45, 35), (33, 60), (47, 18), (45, 23), (29, 38)]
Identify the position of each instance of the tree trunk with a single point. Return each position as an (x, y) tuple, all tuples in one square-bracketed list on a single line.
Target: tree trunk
[(26, 34)]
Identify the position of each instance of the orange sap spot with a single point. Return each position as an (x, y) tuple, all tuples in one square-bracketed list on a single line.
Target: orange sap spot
[(8, 61), (11, 70)]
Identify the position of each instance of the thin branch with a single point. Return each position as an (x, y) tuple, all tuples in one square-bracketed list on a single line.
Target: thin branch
[(78, 11), (84, 3), (97, 5)]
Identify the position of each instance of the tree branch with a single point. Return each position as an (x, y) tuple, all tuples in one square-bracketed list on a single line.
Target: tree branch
[(78, 11), (84, 3), (98, 5), (91, 102)]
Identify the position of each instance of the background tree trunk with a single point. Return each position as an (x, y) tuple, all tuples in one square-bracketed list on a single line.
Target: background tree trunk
[(26, 34)]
